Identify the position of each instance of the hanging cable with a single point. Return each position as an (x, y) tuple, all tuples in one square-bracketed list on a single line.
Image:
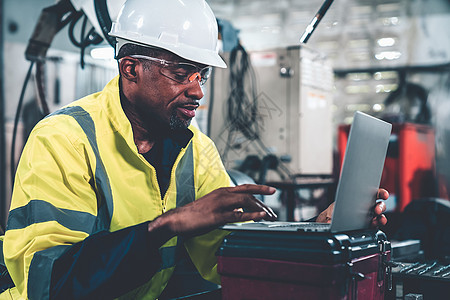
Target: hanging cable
[(16, 123), (242, 113), (83, 41), (104, 20), (91, 38), (42, 102), (242, 108), (71, 30)]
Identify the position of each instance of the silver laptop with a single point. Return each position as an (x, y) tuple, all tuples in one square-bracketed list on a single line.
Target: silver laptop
[(358, 183)]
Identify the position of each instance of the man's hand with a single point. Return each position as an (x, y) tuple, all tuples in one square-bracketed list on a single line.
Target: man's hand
[(379, 218), (222, 206)]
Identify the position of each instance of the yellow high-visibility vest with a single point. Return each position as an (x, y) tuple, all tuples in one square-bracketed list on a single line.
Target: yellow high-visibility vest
[(80, 172)]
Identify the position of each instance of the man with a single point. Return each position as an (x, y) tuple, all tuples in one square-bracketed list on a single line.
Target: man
[(109, 187)]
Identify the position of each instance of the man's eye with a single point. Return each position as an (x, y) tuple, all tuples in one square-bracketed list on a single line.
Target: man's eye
[(180, 72), (180, 75)]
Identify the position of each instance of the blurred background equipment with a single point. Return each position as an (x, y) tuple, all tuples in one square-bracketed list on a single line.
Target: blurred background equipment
[(50, 22), (278, 116), (421, 250), (273, 121), (95, 19), (276, 102)]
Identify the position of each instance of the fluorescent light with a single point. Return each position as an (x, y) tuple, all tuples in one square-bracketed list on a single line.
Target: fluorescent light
[(386, 42), (377, 107), (106, 53), (389, 55)]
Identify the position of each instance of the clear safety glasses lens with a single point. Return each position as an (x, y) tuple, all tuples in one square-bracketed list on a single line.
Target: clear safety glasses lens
[(183, 73)]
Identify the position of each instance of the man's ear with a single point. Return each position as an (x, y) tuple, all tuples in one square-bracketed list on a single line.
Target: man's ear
[(127, 68)]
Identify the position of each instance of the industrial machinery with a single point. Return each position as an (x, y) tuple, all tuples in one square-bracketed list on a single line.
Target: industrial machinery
[(52, 19), (64, 12), (287, 114)]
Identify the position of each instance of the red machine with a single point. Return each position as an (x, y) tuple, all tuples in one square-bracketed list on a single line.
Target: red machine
[(409, 169)]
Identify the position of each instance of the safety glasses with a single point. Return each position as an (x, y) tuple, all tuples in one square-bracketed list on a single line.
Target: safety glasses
[(183, 73)]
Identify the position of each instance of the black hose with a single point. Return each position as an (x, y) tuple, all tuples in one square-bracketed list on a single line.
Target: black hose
[(16, 123), (101, 10), (83, 43), (91, 38), (74, 21), (42, 100)]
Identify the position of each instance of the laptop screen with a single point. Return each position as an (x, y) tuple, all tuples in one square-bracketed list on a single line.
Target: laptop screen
[(361, 173)]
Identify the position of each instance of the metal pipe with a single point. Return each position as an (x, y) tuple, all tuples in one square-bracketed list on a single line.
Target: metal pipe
[(315, 21)]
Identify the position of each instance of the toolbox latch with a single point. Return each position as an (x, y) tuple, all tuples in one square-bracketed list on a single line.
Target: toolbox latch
[(355, 278), (386, 265)]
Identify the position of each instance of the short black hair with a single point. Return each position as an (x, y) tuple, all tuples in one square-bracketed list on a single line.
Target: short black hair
[(130, 49), (133, 49)]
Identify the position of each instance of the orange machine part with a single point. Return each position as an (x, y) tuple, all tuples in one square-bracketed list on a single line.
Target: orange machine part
[(409, 169)]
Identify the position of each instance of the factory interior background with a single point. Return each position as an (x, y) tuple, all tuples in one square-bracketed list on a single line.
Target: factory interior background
[(281, 112)]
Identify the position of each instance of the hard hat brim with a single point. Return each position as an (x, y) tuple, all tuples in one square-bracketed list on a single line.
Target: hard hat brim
[(203, 56)]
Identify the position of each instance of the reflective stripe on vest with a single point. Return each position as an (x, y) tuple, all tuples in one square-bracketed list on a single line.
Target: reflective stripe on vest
[(38, 211), (22, 217), (184, 175), (105, 211)]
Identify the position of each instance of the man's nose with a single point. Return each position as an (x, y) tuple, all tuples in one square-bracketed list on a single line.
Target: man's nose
[(195, 76), (195, 89)]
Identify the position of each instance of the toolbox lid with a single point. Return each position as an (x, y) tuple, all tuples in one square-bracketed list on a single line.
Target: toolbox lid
[(324, 248)]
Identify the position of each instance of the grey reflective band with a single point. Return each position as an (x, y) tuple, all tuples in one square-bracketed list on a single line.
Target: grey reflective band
[(38, 211), (167, 257), (2, 258), (42, 262), (101, 178), (184, 175)]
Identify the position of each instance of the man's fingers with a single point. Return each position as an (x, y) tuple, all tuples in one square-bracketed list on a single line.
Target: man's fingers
[(380, 220), (382, 194), (250, 203), (240, 216), (380, 208), (252, 189), (270, 213), (247, 201)]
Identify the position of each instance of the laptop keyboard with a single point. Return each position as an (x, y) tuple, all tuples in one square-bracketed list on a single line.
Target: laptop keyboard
[(281, 226), (303, 225)]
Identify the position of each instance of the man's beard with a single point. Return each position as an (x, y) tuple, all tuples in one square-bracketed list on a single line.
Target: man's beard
[(176, 123)]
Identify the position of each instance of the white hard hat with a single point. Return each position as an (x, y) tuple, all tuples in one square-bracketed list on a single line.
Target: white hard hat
[(187, 28)]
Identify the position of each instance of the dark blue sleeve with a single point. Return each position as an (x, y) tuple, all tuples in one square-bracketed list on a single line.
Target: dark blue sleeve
[(106, 265), (312, 219)]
